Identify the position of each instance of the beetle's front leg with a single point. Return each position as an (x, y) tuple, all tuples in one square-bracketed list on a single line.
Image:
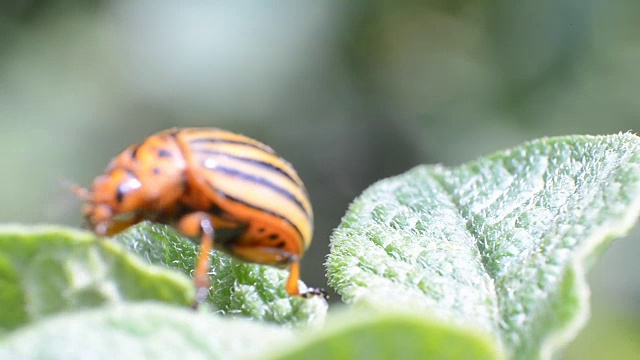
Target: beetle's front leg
[(116, 227), (198, 224)]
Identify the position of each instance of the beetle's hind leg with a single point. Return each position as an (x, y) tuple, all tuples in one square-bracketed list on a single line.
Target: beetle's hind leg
[(194, 225), (292, 283), (276, 257)]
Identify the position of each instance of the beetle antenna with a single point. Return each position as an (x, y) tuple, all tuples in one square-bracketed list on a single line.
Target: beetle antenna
[(80, 191)]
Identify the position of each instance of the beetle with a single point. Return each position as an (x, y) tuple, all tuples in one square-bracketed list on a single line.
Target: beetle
[(228, 191)]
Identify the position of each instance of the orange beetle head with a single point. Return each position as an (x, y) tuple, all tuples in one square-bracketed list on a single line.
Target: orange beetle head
[(116, 198), (140, 183)]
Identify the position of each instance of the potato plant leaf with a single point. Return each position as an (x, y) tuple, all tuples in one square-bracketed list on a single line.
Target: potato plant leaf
[(373, 335), (47, 269), (500, 244), (238, 288), (141, 331), (158, 331)]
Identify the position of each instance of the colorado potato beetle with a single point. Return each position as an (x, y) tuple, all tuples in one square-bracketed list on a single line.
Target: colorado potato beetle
[(228, 191)]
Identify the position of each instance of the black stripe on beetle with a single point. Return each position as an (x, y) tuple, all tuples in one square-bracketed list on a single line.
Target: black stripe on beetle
[(261, 181), (272, 213), (211, 140), (260, 163)]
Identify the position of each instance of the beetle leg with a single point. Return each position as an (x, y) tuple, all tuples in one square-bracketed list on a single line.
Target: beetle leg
[(292, 283), (271, 256), (315, 292), (199, 224), (118, 226), (201, 275), (294, 276)]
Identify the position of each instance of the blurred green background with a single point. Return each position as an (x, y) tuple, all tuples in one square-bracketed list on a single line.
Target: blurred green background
[(349, 92)]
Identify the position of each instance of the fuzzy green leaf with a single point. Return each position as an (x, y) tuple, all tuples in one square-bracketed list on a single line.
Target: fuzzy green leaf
[(390, 335), (501, 244), (238, 288), (46, 269), (141, 331)]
